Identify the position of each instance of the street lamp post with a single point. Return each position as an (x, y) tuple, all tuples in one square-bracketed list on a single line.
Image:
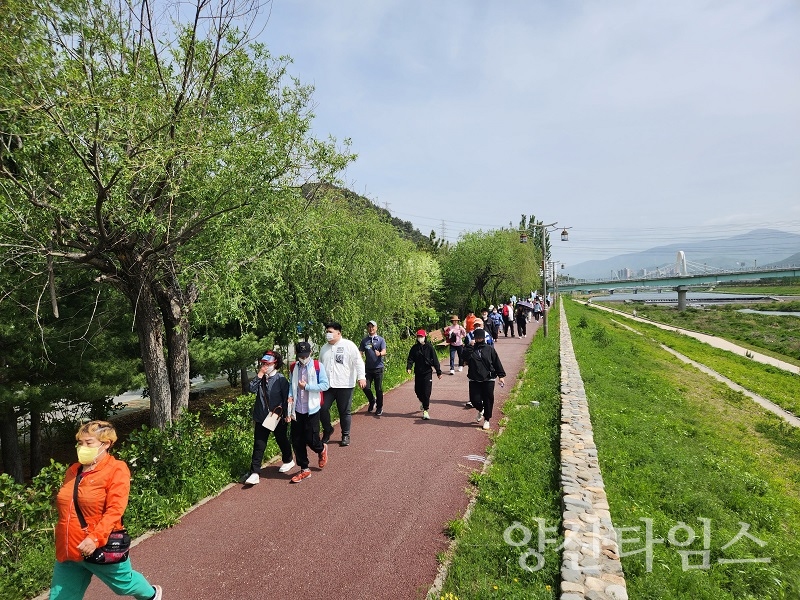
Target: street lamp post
[(523, 238), (554, 265)]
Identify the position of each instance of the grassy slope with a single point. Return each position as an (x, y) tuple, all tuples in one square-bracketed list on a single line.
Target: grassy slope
[(674, 446), (521, 485), (778, 336), (777, 385)]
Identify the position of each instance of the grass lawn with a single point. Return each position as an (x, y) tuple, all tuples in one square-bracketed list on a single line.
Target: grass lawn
[(520, 485), (696, 459)]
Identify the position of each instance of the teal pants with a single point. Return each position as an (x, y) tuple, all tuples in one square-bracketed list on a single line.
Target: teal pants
[(72, 577)]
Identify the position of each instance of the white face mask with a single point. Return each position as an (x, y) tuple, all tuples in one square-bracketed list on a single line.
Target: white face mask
[(421, 339), (270, 369), (329, 336), (305, 361)]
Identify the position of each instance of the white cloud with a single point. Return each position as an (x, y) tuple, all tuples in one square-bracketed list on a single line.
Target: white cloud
[(607, 116)]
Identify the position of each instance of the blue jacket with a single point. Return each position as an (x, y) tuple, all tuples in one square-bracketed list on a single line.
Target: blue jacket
[(496, 318), (314, 387)]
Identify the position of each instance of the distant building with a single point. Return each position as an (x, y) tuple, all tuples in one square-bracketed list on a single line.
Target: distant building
[(625, 273)]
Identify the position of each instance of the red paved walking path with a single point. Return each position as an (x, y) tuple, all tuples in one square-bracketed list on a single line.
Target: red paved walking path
[(367, 526)]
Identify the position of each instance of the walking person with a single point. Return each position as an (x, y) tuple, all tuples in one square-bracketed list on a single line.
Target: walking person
[(272, 395), (307, 382), (469, 322), (537, 308), (483, 368), (95, 491), (495, 322), (373, 347), (344, 367), (521, 316), (422, 357), (455, 334), (508, 319), (470, 339)]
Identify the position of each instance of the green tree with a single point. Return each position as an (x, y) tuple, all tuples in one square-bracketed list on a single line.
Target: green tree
[(154, 153), (77, 361), (338, 260), (486, 267)]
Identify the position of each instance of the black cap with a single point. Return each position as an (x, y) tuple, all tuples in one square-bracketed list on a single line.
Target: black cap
[(303, 349), (479, 334)]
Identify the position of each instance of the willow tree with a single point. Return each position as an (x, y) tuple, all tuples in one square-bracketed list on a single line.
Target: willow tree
[(150, 143), (487, 267), (340, 259)]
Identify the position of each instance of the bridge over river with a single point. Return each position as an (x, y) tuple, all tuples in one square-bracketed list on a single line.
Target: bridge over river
[(675, 281)]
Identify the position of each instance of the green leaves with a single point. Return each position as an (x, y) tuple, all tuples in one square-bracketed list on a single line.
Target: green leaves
[(486, 268)]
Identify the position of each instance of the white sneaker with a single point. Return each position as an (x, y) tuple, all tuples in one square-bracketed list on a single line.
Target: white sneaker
[(158, 595), (486, 424), (452, 372), (460, 369), (253, 479), (425, 415), (479, 416), (286, 466)]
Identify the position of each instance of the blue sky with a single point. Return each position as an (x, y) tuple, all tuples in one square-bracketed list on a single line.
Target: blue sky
[(635, 123)]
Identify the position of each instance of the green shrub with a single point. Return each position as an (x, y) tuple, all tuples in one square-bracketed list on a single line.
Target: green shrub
[(27, 517)]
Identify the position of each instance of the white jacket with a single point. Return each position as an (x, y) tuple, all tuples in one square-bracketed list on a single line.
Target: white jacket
[(343, 363)]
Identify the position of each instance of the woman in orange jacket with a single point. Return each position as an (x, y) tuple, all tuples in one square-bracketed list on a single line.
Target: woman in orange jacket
[(102, 491)]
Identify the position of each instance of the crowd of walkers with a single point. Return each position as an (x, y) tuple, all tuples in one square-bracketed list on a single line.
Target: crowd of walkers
[(301, 401), (293, 407)]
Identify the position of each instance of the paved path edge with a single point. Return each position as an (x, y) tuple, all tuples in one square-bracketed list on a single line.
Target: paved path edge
[(591, 568)]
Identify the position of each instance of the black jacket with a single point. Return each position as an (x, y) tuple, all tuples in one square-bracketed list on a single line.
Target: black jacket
[(483, 363), (423, 357), (275, 390)]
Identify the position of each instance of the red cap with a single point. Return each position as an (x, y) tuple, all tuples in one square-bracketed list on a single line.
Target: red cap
[(421, 333)]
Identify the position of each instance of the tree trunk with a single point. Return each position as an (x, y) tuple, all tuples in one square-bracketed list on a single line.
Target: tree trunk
[(36, 442), (245, 381), (12, 457), (178, 364), (150, 329), (175, 307)]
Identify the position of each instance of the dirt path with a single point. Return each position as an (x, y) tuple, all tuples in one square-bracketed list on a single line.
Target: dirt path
[(368, 526)]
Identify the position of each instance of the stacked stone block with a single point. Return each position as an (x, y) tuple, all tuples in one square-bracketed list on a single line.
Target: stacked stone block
[(590, 564)]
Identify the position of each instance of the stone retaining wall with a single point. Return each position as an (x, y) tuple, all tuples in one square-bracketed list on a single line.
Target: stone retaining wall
[(590, 565)]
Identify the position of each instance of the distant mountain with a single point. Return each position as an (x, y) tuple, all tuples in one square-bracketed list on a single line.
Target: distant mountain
[(759, 248), (792, 261)]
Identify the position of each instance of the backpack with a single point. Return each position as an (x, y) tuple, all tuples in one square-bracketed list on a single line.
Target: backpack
[(453, 337), (505, 310), (481, 364)]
